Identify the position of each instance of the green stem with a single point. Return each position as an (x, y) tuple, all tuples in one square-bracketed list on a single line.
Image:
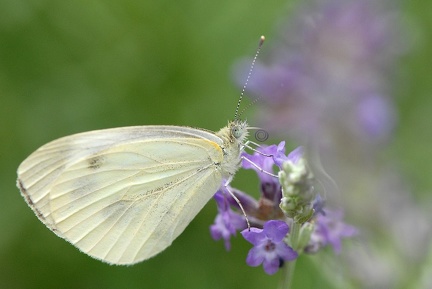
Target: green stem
[(294, 235), (289, 267), (288, 274)]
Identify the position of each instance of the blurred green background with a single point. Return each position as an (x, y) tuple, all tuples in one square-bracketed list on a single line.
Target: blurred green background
[(73, 66)]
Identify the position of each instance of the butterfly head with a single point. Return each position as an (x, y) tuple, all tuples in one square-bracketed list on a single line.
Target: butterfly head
[(234, 133), (238, 130)]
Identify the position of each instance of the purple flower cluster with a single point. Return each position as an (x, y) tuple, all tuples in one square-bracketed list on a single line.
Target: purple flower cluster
[(269, 232)]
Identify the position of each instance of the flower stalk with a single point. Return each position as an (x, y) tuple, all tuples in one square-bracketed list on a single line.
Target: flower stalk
[(288, 275)]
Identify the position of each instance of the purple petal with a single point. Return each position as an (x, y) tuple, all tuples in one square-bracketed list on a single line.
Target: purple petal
[(226, 222), (237, 221), (296, 154), (255, 236), (336, 243), (221, 230), (227, 244), (276, 230), (271, 266), (215, 232), (318, 205), (249, 204), (280, 157), (349, 231), (264, 162), (255, 257), (221, 200), (261, 161), (286, 252)]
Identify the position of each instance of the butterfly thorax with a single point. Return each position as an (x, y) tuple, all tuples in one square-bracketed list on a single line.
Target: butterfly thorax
[(233, 137)]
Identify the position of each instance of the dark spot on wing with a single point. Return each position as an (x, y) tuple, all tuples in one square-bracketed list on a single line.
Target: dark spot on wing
[(95, 162)]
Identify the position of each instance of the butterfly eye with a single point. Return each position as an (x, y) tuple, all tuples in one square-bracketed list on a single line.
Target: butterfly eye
[(236, 132)]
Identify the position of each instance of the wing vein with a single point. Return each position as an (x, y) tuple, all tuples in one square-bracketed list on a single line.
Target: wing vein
[(155, 227)]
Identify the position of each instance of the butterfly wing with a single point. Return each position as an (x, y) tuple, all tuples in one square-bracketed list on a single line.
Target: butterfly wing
[(122, 195)]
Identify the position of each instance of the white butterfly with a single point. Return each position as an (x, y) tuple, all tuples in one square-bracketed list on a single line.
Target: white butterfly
[(123, 195)]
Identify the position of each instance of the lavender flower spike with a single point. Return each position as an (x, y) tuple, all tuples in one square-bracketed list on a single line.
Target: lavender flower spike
[(269, 246), (297, 186)]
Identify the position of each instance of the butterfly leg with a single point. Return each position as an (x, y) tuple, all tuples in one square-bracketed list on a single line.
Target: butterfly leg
[(226, 185), (258, 167)]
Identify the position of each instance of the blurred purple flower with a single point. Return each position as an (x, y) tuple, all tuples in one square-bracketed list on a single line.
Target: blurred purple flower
[(269, 246), (331, 61), (330, 230), (318, 205), (376, 116)]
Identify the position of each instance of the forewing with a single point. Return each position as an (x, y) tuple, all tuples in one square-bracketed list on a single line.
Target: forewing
[(124, 200)]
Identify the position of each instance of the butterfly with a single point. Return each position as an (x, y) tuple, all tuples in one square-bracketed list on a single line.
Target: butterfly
[(122, 195)]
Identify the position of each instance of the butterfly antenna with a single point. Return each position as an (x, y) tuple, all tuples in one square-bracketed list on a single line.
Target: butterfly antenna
[(248, 76), (249, 105)]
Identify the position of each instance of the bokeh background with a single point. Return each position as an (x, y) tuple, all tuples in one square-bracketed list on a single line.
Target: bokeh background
[(73, 66)]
